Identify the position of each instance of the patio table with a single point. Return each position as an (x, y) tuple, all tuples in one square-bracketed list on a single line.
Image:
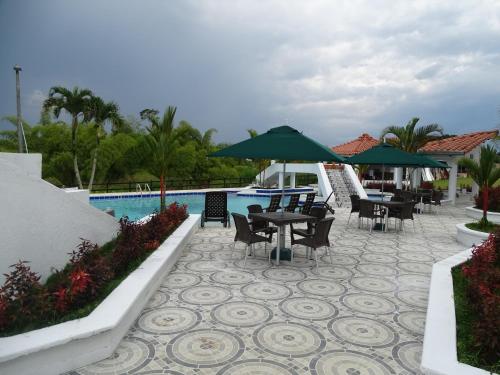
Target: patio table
[(388, 205), (281, 220)]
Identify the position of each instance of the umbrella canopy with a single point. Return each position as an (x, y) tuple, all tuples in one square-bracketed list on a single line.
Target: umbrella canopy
[(429, 162), (281, 143), (385, 154)]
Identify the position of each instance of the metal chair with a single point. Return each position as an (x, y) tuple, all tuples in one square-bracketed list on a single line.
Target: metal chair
[(367, 210), (274, 204), (354, 205), (293, 204), (306, 207), (215, 208), (247, 236), (317, 240)]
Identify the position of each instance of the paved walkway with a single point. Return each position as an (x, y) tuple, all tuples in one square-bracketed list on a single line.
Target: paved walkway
[(364, 314)]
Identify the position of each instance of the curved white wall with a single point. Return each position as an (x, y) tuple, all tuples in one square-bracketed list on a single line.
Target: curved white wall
[(41, 223)]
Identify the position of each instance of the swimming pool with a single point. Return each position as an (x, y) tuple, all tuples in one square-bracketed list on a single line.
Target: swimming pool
[(138, 207)]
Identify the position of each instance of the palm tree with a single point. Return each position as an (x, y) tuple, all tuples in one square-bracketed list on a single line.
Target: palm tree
[(485, 173), (101, 112), (75, 102), (409, 139), (161, 140)]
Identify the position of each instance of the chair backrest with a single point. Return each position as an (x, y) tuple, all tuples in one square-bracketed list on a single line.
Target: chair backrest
[(306, 208), (275, 203), (294, 202), (255, 209), (215, 204), (407, 195), (354, 202), (318, 212), (321, 232), (256, 223), (397, 198), (243, 232), (366, 208), (437, 195), (407, 210)]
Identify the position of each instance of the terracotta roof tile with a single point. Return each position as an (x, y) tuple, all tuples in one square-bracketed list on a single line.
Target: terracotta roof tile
[(461, 143), (360, 144)]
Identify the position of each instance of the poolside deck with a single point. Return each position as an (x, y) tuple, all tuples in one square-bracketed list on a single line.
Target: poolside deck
[(364, 314)]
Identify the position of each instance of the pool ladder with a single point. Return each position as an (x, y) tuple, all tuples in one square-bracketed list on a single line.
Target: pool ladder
[(142, 190)]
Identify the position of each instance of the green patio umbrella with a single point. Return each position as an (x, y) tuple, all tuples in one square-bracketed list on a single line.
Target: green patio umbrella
[(385, 154), (280, 143), (429, 162)]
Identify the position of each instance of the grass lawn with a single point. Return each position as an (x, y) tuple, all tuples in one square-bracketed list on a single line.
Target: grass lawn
[(461, 181), (490, 228)]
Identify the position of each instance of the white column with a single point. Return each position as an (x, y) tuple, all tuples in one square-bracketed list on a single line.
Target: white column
[(417, 177), (475, 189), (452, 181), (398, 177), (281, 180), (292, 180)]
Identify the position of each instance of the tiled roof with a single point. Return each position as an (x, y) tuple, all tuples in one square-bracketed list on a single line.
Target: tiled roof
[(360, 144), (459, 144)]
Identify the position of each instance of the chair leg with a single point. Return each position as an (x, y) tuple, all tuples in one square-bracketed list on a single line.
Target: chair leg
[(246, 254), (371, 225), (349, 218), (330, 253), (413, 223), (291, 254), (316, 257), (403, 226)]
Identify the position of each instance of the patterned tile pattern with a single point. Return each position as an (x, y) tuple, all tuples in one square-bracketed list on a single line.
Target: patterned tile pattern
[(365, 314)]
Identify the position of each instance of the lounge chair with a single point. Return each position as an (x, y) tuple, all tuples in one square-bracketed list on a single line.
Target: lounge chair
[(293, 204), (306, 207), (274, 204), (326, 204), (215, 208)]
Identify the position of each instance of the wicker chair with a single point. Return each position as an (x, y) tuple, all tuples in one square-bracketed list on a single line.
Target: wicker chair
[(406, 213), (367, 210), (247, 236), (293, 204), (274, 204), (306, 207), (354, 205), (260, 225), (317, 240), (319, 213), (215, 208)]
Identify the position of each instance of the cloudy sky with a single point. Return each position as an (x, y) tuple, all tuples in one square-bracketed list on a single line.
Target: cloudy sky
[(333, 69)]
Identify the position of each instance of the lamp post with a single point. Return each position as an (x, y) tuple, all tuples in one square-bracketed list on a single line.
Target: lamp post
[(17, 69)]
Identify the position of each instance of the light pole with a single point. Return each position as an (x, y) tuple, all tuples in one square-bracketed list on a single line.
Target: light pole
[(17, 69)]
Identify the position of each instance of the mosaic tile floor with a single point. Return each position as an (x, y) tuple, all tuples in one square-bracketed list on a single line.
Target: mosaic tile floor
[(364, 314)]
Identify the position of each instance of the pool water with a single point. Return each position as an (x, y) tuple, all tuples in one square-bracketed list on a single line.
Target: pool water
[(137, 207)]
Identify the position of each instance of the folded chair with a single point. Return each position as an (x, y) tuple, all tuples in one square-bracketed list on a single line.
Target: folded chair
[(215, 208), (326, 204)]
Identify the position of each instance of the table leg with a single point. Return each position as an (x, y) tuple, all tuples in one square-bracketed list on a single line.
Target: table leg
[(386, 219), (278, 246)]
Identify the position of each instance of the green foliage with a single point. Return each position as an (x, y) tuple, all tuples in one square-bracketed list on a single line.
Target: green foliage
[(408, 138)]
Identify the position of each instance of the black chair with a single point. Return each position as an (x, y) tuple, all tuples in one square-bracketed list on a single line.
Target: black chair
[(437, 195), (368, 211), (306, 207), (319, 213), (274, 204), (354, 205), (406, 213), (293, 204), (260, 225), (247, 236), (215, 208), (326, 204), (317, 240)]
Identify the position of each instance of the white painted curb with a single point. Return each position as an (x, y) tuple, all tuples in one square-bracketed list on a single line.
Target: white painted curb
[(477, 214), (70, 345), (469, 237), (439, 355)]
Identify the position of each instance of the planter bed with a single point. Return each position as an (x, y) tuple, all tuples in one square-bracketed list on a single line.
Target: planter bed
[(70, 345), (469, 237), (477, 214), (439, 355)]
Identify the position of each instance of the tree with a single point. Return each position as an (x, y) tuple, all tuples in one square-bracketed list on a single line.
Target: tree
[(101, 112), (409, 139), (162, 143), (75, 102), (485, 173)]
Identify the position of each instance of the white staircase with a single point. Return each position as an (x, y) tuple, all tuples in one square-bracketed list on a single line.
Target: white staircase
[(341, 186)]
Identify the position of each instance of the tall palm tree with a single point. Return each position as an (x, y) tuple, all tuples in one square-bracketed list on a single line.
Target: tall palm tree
[(161, 141), (75, 102), (409, 139), (101, 112), (485, 173)]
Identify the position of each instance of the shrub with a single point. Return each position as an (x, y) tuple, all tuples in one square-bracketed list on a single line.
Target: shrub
[(482, 273), (389, 187), (493, 199), (427, 185)]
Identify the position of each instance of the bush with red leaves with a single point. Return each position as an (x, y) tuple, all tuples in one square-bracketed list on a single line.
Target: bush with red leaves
[(427, 185), (482, 272), (493, 199)]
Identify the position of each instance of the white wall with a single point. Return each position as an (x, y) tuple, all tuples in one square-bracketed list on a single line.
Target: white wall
[(30, 164), (41, 223)]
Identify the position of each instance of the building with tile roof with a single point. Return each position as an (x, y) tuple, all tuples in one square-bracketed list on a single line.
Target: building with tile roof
[(362, 143)]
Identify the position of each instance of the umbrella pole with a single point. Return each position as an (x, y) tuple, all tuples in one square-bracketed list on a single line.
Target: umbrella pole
[(383, 180), (283, 188)]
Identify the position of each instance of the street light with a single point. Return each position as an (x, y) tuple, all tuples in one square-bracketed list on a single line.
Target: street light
[(20, 131)]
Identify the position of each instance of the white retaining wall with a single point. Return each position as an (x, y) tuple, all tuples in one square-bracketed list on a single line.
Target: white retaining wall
[(41, 223), (477, 214)]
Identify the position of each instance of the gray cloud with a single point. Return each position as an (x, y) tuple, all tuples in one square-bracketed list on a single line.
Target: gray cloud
[(332, 69)]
